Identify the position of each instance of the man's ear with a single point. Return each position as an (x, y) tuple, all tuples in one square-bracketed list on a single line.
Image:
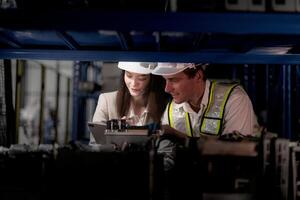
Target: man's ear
[(199, 75)]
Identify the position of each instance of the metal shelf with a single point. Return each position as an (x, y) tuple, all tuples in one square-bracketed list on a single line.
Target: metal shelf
[(210, 57), (87, 35), (213, 37)]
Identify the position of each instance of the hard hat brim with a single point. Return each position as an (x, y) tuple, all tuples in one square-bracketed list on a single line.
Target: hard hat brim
[(167, 71), (134, 67)]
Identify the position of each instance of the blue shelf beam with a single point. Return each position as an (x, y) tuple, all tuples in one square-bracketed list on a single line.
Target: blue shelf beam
[(69, 41), (235, 38), (4, 38), (125, 40), (217, 57)]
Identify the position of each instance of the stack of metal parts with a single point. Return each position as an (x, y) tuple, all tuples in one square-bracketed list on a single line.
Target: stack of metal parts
[(215, 169), (280, 159), (81, 173), (295, 156), (207, 169), (266, 169), (241, 169), (77, 170), (23, 171), (74, 171)]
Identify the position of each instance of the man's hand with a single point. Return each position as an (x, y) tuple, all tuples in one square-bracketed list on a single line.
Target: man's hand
[(168, 131)]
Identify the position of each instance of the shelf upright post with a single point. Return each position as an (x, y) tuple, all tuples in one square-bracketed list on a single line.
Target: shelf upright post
[(18, 94), (286, 101), (67, 110), (234, 73), (10, 112), (79, 104), (57, 96), (267, 85), (97, 70), (267, 94), (97, 79), (250, 83), (82, 101), (3, 107), (42, 103), (297, 102), (274, 100), (76, 74), (246, 77), (253, 82)]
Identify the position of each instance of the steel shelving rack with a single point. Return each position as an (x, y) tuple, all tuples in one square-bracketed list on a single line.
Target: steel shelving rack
[(264, 44)]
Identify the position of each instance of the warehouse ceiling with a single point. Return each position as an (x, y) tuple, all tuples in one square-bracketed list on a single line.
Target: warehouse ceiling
[(146, 30)]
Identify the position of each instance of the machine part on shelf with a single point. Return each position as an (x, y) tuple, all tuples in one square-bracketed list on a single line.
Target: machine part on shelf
[(8, 4), (217, 147), (240, 5), (266, 155), (49, 163), (284, 6), (197, 6), (295, 156), (268, 151), (282, 160), (258, 6), (230, 196)]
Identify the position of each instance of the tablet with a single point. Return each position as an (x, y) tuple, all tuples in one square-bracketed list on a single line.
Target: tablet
[(133, 136), (98, 131)]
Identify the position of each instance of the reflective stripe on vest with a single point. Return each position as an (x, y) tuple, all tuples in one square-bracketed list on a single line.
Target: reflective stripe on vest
[(188, 126), (211, 122), (214, 113)]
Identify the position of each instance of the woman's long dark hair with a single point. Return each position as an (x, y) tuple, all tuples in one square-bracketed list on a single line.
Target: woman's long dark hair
[(156, 98)]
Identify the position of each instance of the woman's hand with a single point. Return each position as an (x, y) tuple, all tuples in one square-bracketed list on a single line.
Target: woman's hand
[(130, 120)]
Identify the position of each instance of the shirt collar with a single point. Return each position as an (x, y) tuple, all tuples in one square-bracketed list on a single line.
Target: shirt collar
[(132, 114)]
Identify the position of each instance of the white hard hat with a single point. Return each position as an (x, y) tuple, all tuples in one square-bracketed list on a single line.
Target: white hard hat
[(164, 68), (137, 67)]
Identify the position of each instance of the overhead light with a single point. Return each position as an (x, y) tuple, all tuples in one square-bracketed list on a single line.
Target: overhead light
[(269, 50)]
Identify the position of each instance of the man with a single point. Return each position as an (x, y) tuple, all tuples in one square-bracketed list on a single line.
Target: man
[(199, 108), (203, 107)]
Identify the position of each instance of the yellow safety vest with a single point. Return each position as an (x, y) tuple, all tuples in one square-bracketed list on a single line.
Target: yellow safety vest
[(211, 122)]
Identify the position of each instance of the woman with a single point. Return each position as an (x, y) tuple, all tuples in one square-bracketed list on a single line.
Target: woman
[(140, 99)]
